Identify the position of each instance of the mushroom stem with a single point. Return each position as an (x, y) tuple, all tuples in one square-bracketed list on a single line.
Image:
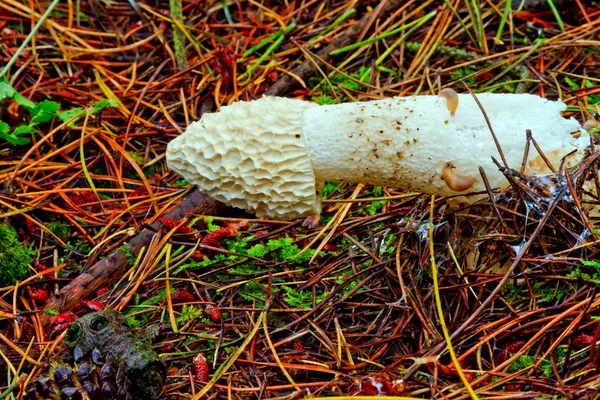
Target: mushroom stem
[(271, 156)]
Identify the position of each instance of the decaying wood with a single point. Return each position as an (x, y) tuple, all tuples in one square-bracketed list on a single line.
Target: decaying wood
[(111, 269)]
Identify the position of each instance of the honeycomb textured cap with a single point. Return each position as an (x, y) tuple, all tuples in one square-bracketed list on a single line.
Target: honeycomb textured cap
[(251, 155)]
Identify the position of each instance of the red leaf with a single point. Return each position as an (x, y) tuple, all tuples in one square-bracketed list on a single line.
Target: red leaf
[(93, 305), (505, 352), (62, 318), (329, 247)]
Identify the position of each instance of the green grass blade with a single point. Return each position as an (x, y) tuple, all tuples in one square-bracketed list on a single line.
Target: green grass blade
[(227, 13), (353, 46), (335, 23), (507, 9), (268, 39), (420, 22), (28, 38), (478, 24), (460, 20), (556, 15), (262, 58)]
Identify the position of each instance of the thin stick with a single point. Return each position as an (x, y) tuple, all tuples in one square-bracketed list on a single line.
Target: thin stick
[(487, 121)]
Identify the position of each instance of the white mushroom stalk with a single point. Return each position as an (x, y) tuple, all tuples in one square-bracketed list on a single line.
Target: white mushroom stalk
[(272, 156)]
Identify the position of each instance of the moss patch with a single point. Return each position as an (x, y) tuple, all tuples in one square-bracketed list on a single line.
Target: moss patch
[(14, 257)]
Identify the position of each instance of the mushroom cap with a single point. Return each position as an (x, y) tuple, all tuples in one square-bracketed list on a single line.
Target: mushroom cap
[(251, 155)]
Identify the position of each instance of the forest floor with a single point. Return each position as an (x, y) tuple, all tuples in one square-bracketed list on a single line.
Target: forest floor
[(259, 308)]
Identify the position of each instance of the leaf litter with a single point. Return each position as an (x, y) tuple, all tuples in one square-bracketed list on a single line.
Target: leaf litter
[(396, 279)]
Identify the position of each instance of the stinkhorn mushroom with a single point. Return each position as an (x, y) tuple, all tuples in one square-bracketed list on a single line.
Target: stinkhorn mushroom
[(272, 156)]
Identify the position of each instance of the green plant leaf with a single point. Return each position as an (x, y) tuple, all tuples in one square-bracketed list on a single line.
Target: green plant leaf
[(23, 129), (572, 84), (23, 101), (7, 91), (64, 116), (15, 137), (44, 112), (102, 104), (4, 127)]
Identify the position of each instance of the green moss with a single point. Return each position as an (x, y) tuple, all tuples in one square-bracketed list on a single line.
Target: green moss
[(209, 224), (577, 273), (142, 306), (14, 257), (60, 229), (559, 357), (594, 264), (389, 242), (132, 322), (374, 207), (325, 218), (130, 256), (253, 292), (548, 294), (200, 264), (237, 245), (258, 251), (520, 363), (339, 80), (188, 312), (139, 159), (348, 288), (331, 187), (284, 250), (303, 299), (80, 246), (246, 269), (461, 72), (323, 99), (512, 292)]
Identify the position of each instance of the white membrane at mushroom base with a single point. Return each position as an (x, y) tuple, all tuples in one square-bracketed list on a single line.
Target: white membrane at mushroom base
[(271, 156)]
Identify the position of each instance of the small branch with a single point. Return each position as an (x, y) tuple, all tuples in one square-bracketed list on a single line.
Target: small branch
[(111, 268)]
